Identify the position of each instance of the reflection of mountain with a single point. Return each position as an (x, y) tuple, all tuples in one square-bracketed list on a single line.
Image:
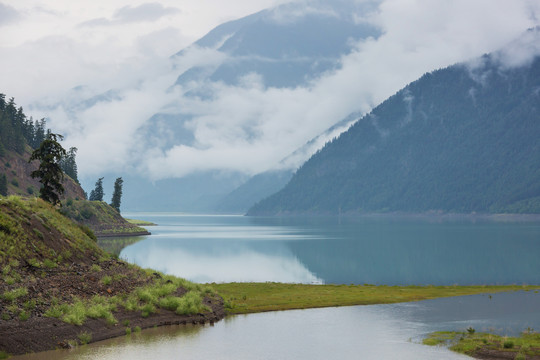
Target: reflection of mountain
[(213, 261), (408, 253), (461, 139)]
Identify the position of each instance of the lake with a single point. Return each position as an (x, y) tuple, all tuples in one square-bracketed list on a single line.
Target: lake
[(340, 251)]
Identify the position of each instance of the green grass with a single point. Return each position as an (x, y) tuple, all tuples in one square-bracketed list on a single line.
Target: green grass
[(85, 337), (528, 344), (11, 295), (242, 298), (140, 222)]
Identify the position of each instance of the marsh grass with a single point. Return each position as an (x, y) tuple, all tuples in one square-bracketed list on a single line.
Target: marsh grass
[(84, 337), (242, 298), (528, 344)]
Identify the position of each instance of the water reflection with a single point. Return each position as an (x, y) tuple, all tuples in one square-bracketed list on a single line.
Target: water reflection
[(114, 245), (211, 262), (306, 250)]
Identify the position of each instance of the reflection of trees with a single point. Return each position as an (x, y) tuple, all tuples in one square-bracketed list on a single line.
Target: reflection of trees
[(114, 245)]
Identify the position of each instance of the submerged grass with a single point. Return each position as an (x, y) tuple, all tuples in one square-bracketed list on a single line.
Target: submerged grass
[(242, 298)]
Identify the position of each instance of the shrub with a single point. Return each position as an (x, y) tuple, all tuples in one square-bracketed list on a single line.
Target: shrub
[(128, 331), (23, 315), (88, 232), (14, 294), (85, 337), (15, 182), (95, 267), (148, 309), (30, 190), (106, 280), (34, 262), (49, 263), (508, 344)]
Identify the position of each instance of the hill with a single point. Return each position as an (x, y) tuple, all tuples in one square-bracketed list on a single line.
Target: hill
[(59, 289), (17, 170), (461, 139), (102, 218), (19, 135)]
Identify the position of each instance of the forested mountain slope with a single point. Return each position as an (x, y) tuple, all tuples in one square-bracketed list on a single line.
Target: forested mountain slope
[(461, 139)]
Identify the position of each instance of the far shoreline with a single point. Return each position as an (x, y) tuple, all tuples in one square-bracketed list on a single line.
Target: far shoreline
[(428, 216)]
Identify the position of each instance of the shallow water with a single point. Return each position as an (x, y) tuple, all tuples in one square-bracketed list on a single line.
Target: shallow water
[(357, 332), (333, 250)]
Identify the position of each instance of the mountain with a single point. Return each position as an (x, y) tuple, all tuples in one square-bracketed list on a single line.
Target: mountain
[(461, 139), (255, 189), (286, 46), (267, 183)]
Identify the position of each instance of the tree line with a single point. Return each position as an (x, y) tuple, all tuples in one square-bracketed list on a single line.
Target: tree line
[(97, 193), (17, 131)]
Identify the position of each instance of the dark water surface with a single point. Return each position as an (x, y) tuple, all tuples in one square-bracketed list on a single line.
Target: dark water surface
[(332, 250)]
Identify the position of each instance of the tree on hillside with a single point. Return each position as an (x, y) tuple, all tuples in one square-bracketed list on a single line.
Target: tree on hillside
[(3, 185), (97, 193), (50, 174), (117, 194), (68, 164)]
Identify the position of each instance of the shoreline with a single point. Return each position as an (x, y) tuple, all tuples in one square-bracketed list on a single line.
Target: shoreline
[(428, 216), (50, 333), (121, 234), (45, 334)]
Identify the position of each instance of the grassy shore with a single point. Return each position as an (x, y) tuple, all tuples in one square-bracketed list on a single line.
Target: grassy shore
[(484, 345), (243, 298), (140, 222)]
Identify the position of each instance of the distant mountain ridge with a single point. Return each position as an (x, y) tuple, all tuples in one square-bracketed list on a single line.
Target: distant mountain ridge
[(461, 139)]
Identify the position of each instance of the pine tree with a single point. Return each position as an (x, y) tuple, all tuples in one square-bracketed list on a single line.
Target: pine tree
[(39, 133), (97, 193), (3, 185), (117, 194), (68, 164), (50, 174)]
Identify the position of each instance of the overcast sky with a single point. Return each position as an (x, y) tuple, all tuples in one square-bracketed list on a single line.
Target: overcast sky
[(49, 47)]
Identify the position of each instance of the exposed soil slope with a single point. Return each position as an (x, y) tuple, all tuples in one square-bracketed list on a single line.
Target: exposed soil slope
[(59, 289), (17, 170)]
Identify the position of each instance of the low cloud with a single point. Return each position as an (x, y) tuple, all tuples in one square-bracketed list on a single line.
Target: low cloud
[(148, 12), (249, 127), (8, 14)]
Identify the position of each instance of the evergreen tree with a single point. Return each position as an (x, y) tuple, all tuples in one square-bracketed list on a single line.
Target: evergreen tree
[(39, 133), (97, 193), (68, 164), (50, 174), (3, 185), (117, 194)]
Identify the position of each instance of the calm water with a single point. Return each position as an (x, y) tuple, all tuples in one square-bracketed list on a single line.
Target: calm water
[(358, 332), (319, 250)]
